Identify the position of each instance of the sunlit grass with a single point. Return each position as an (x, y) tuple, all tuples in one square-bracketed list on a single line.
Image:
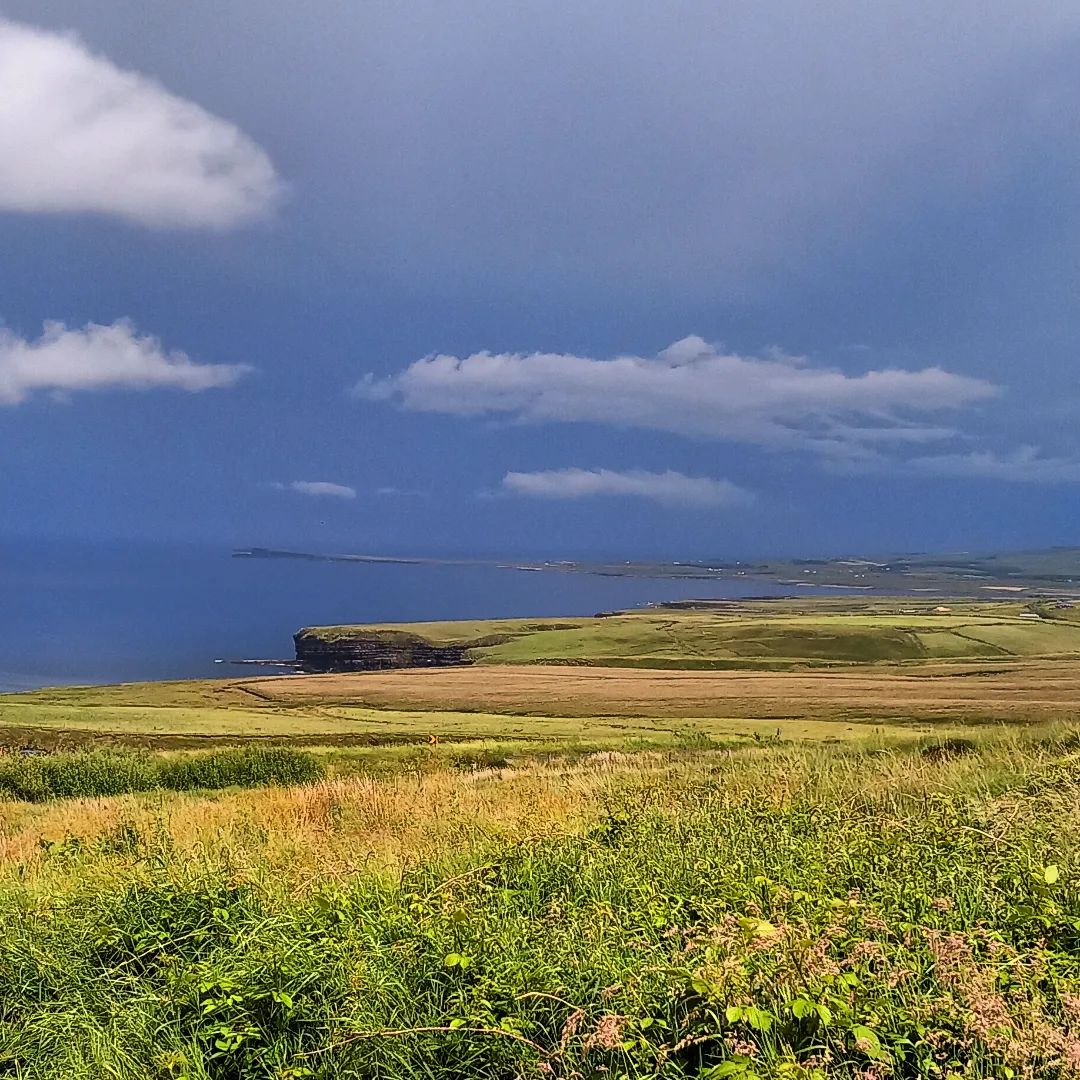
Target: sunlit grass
[(869, 910)]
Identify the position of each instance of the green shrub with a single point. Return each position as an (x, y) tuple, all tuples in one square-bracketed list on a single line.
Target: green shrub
[(472, 760), (106, 772), (943, 749), (77, 775), (247, 767)]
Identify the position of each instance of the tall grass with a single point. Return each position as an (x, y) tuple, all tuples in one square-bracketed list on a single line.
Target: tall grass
[(770, 913), (102, 773)]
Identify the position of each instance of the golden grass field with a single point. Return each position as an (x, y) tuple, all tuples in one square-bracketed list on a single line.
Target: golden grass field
[(370, 923), (545, 702), (1002, 691), (351, 822)]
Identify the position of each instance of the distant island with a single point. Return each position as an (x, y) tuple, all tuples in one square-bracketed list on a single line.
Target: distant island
[(1052, 571)]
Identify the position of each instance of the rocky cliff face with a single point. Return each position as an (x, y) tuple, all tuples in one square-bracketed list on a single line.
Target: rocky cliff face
[(372, 650)]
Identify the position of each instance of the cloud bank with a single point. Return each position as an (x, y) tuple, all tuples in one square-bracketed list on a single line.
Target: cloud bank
[(671, 488), (1025, 465), (80, 134), (98, 357), (318, 489), (690, 388)]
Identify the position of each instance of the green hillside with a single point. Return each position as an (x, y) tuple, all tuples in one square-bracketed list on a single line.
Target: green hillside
[(752, 634)]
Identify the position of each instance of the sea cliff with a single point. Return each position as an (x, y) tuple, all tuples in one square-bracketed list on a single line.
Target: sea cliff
[(318, 649)]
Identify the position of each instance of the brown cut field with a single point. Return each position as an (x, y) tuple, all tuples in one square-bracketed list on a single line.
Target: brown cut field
[(1027, 691)]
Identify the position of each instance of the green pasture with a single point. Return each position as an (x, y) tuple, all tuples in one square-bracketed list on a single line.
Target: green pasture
[(749, 634)]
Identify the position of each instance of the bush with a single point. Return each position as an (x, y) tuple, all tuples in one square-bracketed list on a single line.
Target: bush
[(943, 749), (247, 767), (77, 775), (106, 772)]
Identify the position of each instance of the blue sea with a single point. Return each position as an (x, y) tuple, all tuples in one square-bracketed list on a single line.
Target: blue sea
[(88, 613)]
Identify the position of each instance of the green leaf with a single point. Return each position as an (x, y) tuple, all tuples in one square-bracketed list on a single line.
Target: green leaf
[(758, 1019), (759, 928), (733, 1013), (801, 1008), (457, 960), (867, 1035), (824, 1013), (726, 1068), (1050, 874)]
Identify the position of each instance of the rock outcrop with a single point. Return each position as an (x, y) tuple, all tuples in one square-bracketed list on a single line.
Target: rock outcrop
[(372, 650)]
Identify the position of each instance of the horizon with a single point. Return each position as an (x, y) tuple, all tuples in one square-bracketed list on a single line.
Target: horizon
[(466, 556)]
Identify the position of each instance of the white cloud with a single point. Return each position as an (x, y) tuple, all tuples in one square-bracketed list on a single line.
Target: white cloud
[(80, 134), (100, 358), (1024, 465), (690, 388), (318, 489), (672, 488)]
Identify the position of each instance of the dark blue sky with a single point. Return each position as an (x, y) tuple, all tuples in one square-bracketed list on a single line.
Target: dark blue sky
[(868, 214)]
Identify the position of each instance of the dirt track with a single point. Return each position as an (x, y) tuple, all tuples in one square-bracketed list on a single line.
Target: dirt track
[(1035, 690)]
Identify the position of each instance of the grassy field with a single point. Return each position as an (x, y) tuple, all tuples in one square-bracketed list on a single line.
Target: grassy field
[(750, 670), (299, 719), (580, 869), (746, 634), (1015, 691), (569, 703), (865, 911)]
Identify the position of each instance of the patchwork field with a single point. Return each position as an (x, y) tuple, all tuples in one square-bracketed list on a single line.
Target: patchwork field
[(535, 704), (748, 634), (739, 670), (1029, 691)]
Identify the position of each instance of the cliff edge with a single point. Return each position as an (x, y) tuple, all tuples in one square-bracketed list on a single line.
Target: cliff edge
[(319, 651)]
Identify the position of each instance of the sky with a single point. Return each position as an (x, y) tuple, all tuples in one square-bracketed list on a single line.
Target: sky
[(693, 280)]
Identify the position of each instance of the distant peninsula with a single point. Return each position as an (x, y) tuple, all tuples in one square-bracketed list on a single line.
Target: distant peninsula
[(1051, 571)]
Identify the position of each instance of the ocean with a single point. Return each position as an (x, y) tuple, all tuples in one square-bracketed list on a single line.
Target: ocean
[(81, 612)]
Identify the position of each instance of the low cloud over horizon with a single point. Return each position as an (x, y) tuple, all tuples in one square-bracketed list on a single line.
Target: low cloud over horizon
[(317, 489), (692, 388), (876, 422), (93, 137), (96, 357), (1025, 465), (670, 487)]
